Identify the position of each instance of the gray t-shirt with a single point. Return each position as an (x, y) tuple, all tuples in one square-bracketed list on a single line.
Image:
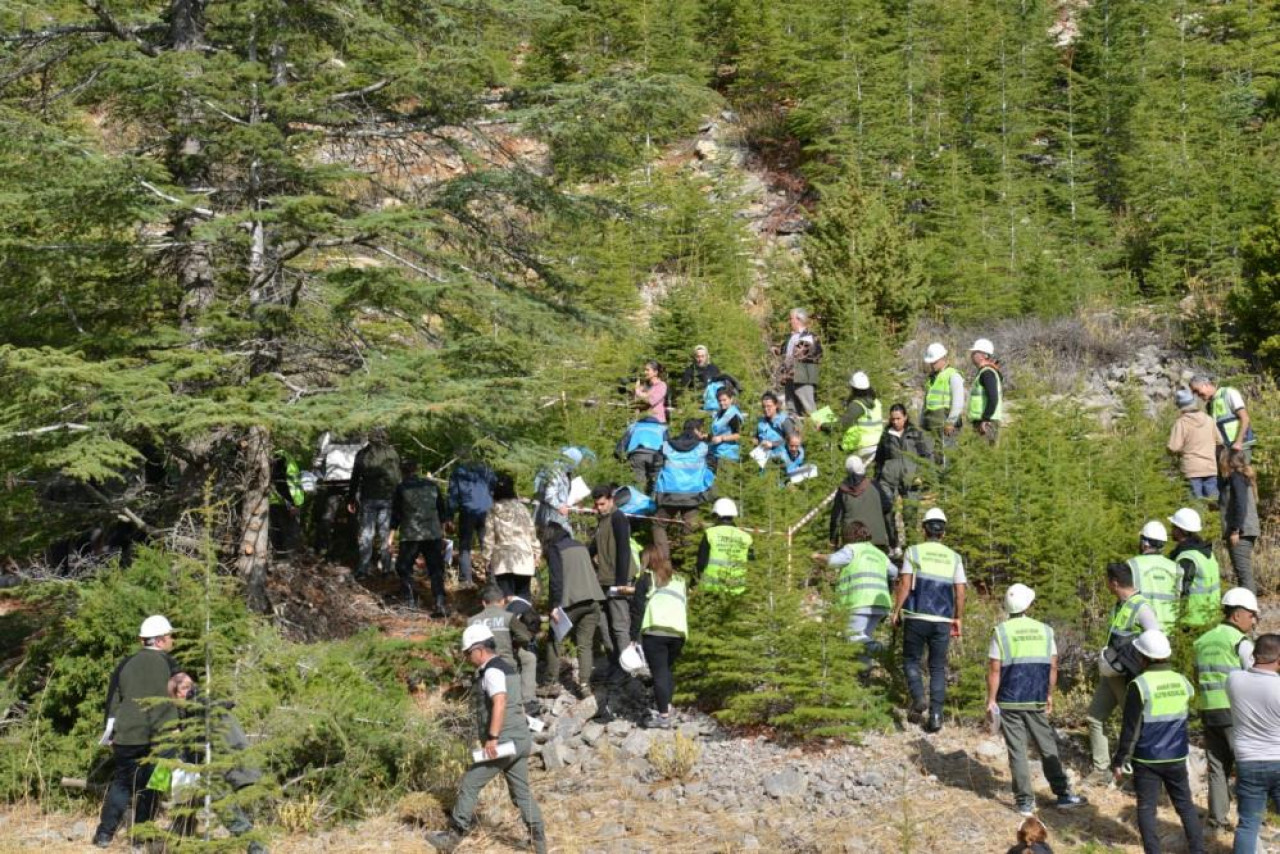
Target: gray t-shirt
[(1255, 714)]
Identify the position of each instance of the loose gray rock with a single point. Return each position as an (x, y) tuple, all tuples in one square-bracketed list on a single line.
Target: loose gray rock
[(785, 784), (637, 743), (591, 733), (991, 749), (618, 727)]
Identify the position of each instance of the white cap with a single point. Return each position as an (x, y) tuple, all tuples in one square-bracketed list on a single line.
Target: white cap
[(983, 345), (853, 464), (860, 381), (155, 626), (1240, 597), (475, 634), (1154, 644), (1188, 520), (935, 514), (725, 507), (1018, 598), (934, 352), (1155, 532)]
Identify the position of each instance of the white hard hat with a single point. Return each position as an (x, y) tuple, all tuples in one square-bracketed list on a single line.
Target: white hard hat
[(1018, 598), (155, 626), (853, 464), (1188, 520), (983, 345), (935, 514), (1154, 644), (934, 352), (1240, 597), (725, 507), (860, 381), (473, 635), (632, 659), (1155, 532)]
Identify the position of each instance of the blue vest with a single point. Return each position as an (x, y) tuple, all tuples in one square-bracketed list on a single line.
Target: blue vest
[(770, 430), (720, 427), (793, 465), (637, 503), (1026, 659), (684, 472), (933, 586), (647, 435), (710, 401)]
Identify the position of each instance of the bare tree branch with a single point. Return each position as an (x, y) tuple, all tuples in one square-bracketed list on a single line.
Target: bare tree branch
[(205, 212), (118, 30), (359, 93)]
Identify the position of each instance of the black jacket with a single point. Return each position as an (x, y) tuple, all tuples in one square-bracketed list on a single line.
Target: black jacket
[(698, 377), (851, 496)]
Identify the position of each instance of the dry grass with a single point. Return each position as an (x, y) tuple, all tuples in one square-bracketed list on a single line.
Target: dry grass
[(675, 758)]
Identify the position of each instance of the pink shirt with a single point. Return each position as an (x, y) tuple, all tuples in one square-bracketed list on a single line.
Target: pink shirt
[(656, 397)]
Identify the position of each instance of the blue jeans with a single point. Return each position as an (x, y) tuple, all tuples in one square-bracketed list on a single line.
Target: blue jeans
[(1204, 487), (1255, 782), (917, 635)]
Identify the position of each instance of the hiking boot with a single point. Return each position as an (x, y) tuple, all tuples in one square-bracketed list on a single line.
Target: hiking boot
[(934, 723), (102, 840), (444, 840), (657, 722), (1025, 807), (916, 713), (1215, 826), (1070, 801), (532, 708), (537, 839)]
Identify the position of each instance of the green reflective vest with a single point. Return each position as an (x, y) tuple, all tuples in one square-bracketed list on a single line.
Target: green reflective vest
[(1204, 599), (666, 608), (1166, 702), (1228, 422), (1124, 621), (1158, 579), (1217, 654), (1026, 660), (937, 395), (866, 431), (978, 396), (727, 551), (864, 580), (635, 554)]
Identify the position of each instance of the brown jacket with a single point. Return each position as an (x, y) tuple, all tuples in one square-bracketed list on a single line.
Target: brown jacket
[(1194, 438)]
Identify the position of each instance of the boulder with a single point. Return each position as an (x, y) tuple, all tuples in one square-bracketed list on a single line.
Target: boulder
[(637, 743), (786, 784)]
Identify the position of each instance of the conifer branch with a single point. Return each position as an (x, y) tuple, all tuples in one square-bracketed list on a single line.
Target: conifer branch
[(118, 30), (204, 212)]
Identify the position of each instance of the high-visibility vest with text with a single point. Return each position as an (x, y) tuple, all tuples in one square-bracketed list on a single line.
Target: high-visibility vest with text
[(1157, 578), (864, 580), (1204, 598), (728, 549), (933, 583), (1166, 702), (1026, 658)]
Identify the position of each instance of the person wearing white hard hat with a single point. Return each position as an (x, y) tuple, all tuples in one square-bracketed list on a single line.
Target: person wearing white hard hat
[(1194, 440), (1219, 652), (863, 421), (862, 587), (500, 721), (943, 394), (1255, 718), (659, 624), (134, 721), (1154, 735), (861, 499), (1022, 672), (1201, 586), (725, 551), (1155, 576), (929, 605), (986, 395), (1117, 663)]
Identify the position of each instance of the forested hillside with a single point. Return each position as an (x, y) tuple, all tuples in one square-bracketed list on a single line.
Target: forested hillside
[(231, 227)]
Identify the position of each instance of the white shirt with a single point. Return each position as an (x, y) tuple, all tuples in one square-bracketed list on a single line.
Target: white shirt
[(495, 682), (957, 397), (1235, 401), (1255, 714)]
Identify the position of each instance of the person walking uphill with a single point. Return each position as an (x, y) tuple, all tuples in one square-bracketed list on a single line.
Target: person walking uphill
[(660, 624), (860, 499), (575, 594), (641, 447), (1201, 585), (1022, 672), (986, 397), (943, 396), (724, 552), (551, 491), (684, 484), (611, 549), (418, 509), (471, 487), (1154, 735), (1227, 409), (1255, 718), (374, 477), (1221, 651), (497, 619), (1155, 576), (511, 548), (133, 725), (929, 605), (1238, 491), (863, 586), (1194, 440), (499, 720)]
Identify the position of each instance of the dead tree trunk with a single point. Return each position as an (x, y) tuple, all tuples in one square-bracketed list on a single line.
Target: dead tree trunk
[(254, 555)]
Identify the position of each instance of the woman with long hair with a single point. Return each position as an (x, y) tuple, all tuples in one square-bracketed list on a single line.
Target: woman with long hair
[(660, 623), (511, 549), (651, 392), (1238, 500)]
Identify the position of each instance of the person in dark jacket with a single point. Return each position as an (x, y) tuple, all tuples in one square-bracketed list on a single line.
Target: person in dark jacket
[(525, 626), (860, 499), (902, 458), (684, 484), (418, 509), (133, 725), (1238, 500), (700, 371), (574, 594), (611, 549), (471, 495), (373, 483)]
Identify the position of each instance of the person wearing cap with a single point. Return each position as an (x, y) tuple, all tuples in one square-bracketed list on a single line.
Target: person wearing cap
[(863, 421), (724, 552), (1194, 439), (861, 499), (986, 395), (684, 484), (1117, 664), (700, 371), (574, 594), (499, 719), (660, 623), (862, 587), (611, 549), (1221, 651), (943, 394), (1254, 695), (134, 721), (1022, 671), (1156, 577), (1154, 735), (929, 605), (551, 492), (641, 447), (726, 428), (1201, 587), (1227, 409)]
